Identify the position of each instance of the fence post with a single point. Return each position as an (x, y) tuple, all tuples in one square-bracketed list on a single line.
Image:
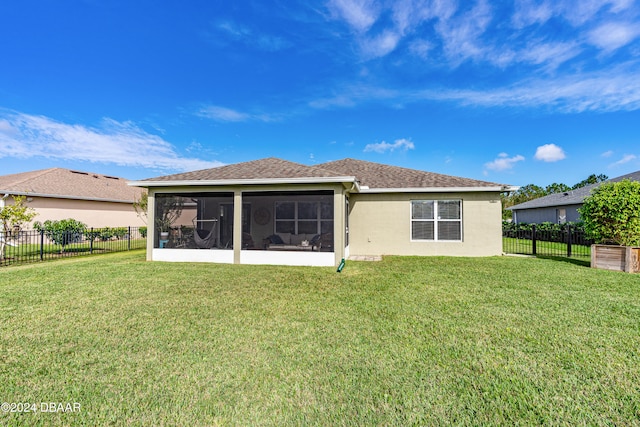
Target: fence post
[(569, 240), (129, 239), (533, 239), (91, 241), (41, 245)]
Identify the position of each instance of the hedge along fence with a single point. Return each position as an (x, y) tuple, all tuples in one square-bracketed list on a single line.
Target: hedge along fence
[(546, 239), (41, 245)]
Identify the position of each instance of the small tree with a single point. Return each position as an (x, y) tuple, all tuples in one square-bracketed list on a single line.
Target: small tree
[(13, 217), (611, 214), (62, 232), (168, 210), (141, 206)]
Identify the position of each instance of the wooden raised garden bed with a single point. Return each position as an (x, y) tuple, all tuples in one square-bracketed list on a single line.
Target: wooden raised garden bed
[(617, 258)]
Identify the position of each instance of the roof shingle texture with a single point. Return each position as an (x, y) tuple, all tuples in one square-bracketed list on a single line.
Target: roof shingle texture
[(64, 183), (271, 168), (373, 175), (377, 175)]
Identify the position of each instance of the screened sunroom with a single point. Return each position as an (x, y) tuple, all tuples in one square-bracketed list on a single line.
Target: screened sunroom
[(294, 227)]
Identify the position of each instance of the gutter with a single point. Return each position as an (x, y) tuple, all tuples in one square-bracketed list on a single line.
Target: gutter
[(58, 196)]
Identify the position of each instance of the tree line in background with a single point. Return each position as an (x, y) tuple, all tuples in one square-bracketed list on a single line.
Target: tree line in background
[(533, 191)]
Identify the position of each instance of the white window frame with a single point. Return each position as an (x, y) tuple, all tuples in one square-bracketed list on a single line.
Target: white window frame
[(318, 220), (435, 220)]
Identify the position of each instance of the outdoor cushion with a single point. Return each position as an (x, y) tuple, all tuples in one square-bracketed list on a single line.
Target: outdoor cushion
[(286, 238), (275, 239)]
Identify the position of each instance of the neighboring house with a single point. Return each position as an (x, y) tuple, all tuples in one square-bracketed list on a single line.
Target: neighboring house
[(56, 193), (273, 211), (559, 207)]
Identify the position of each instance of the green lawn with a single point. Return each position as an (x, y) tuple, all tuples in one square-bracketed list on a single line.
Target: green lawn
[(405, 341), (525, 246)]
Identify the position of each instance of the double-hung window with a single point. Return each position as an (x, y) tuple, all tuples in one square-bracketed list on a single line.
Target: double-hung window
[(436, 220)]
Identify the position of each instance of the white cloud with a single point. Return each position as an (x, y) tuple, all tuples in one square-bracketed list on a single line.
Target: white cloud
[(625, 159), (461, 35), (380, 45), (359, 14), (607, 154), (383, 147), (250, 37), (549, 153), (349, 96), (421, 48), (553, 54), (613, 35), (223, 114), (446, 34), (616, 89), (528, 12), (122, 143), (503, 162)]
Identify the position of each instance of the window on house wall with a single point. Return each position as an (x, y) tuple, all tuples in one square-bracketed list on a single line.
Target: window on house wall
[(303, 217), (438, 220)]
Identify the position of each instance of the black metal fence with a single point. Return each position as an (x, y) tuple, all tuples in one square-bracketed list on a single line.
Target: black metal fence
[(565, 240), (34, 246)]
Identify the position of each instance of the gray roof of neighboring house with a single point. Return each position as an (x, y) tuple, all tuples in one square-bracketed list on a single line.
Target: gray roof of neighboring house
[(69, 184), (572, 197), (368, 174)]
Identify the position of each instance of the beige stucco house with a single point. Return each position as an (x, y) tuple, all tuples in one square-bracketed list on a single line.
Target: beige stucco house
[(57, 193), (273, 211)]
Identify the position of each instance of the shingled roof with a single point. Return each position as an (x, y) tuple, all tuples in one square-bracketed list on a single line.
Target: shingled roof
[(369, 175), (69, 184), (270, 168), (572, 197), (377, 175)]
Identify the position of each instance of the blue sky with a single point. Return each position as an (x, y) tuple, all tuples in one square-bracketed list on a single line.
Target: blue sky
[(516, 92)]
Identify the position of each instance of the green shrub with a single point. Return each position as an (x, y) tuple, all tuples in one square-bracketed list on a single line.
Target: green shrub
[(62, 232), (611, 214), (119, 232)]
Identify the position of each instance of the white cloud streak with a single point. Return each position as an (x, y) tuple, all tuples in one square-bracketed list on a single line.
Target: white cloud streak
[(527, 40), (228, 115), (549, 153), (503, 162), (616, 89), (383, 147), (359, 14), (611, 36), (122, 143), (250, 37), (624, 160)]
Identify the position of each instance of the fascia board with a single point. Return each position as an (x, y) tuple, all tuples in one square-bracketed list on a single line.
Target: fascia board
[(234, 182), (436, 190), (61, 196)]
